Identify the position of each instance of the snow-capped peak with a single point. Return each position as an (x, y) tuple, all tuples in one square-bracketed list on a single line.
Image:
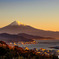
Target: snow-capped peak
[(16, 23)]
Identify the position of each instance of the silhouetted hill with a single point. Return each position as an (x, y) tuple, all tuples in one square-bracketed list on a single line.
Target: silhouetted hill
[(13, 38), (33, 37), (20, 37)]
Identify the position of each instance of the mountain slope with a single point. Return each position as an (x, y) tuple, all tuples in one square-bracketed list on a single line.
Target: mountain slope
[(15, 28)]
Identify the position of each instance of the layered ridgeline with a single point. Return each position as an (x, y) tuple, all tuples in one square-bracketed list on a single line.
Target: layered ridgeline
[(18, 27), (21, 37)]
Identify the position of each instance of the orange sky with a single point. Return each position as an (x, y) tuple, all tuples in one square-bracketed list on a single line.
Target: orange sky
[(41, 14)]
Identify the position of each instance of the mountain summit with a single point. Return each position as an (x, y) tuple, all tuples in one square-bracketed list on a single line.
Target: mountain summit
[(16, 23), (17, 27)]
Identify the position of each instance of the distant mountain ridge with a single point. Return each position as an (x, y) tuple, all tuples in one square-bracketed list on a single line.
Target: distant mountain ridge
[(20, 37), (18, 27), (34, 37), (13, 38)]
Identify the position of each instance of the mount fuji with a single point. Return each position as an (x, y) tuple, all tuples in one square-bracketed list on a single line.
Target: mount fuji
[(18, 27)]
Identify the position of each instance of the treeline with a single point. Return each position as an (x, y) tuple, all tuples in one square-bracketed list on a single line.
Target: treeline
[(15, 52)]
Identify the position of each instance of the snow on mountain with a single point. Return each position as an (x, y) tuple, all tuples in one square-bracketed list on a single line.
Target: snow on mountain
[(16, 23)]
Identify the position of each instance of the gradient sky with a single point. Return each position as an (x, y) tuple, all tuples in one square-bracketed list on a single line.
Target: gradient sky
[(41, 14)]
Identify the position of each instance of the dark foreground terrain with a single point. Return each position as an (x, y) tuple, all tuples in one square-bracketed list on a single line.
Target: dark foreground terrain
[(15, 52)]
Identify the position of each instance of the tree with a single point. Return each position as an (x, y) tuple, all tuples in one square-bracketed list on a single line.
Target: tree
[(3, 51)]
